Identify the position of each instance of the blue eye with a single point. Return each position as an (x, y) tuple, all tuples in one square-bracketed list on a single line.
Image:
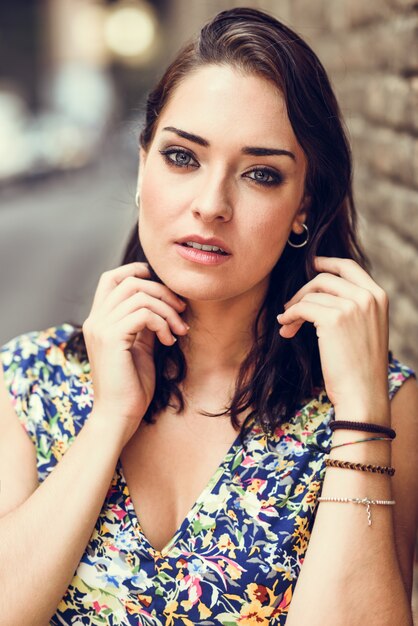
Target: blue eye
[(179, 158), (265, 176)]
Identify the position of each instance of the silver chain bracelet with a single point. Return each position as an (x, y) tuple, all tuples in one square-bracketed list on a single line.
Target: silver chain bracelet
[(366, 501)]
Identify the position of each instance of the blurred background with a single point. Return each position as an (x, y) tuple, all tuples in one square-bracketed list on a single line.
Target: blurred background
[(73, 78)]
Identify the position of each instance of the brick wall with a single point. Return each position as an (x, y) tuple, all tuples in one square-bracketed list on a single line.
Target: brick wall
[(370, 49)]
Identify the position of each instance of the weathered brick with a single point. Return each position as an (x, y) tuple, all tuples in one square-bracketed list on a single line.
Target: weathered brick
[(395, 256), (360, 13), (384, 202), (387, 99), (282, 10), (391, 46), (386, 152), (407, 5)]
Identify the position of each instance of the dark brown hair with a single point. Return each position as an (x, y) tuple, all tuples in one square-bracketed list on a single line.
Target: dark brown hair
[(278, 374)]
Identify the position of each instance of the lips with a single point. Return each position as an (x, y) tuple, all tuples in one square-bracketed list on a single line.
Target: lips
[(211, 241)]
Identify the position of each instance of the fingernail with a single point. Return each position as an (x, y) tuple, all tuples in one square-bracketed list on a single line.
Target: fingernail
[(280, 315), (186, 326), (174, 340)]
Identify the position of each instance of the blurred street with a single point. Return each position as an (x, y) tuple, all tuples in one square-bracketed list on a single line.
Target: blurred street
[(59, 233)]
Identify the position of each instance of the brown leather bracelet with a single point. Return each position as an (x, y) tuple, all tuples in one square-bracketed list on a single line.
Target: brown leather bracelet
[(365, 426), (376, 469)]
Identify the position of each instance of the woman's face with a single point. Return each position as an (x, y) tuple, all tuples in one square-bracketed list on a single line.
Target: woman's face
[(224, 164)]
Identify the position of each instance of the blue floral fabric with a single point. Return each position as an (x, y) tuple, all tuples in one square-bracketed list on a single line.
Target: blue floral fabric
[(237, 555)]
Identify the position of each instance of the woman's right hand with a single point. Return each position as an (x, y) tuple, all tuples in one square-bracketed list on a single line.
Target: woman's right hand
[(128, 311)]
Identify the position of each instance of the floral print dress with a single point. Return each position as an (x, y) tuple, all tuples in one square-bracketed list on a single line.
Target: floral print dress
[(237, 555)]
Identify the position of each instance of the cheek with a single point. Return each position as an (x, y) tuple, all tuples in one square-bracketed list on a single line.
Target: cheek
[(266, 236), (153, 198)]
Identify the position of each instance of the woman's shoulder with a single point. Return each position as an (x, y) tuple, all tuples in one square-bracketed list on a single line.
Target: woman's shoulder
[(33, 353), (50, 390)]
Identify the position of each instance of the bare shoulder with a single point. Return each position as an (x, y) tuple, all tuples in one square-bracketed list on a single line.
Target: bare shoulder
[(18, 472), (404, 410)]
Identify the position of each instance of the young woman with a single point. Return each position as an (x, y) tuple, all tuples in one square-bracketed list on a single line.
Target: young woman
[(217, 445)]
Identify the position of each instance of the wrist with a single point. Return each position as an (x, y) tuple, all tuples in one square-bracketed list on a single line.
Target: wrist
[(378, 413), (112, 433), (378, 452)]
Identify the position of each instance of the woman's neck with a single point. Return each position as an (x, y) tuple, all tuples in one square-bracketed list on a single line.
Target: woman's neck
[(221, 332)]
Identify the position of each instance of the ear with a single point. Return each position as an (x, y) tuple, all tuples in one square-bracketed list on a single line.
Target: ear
[(142, 160), (301, 215)]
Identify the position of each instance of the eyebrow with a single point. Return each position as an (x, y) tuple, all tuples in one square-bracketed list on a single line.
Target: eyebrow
[(251, 150)]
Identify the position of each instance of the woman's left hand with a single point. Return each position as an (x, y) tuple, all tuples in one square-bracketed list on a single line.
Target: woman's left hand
[(350, 314)]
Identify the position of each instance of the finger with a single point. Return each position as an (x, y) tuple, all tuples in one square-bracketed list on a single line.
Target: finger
[(110, 279), (131, 285), (325, 300), (334, 285), (141, 300), (138, 321), (329, 300), (350, 270), (302, 312)]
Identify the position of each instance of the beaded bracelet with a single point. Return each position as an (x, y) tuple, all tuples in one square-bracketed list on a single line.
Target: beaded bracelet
[(349, 443), (366, 501), (379, 469), (371, 428)]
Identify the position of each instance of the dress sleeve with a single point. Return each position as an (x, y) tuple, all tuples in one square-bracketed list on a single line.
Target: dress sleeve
[(42, 384), (398, 373), (19, 358)]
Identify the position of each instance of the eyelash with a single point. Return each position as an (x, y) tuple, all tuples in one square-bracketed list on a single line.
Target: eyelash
[(276, 177)]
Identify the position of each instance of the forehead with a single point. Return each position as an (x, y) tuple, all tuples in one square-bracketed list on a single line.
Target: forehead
[(219, 101)]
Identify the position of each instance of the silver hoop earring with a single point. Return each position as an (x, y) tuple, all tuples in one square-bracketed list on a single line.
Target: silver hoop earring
[(137, 199), (300, 245)]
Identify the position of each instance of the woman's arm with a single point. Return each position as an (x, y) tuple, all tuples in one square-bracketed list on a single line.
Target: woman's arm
[(43, 539), (354, 574), (405, 481)]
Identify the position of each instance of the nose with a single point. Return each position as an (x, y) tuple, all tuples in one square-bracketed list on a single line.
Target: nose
[(213, 200)]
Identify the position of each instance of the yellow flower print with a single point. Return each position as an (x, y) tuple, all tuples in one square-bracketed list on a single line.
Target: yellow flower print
[(233, 571), (225, 545), (170, 612), (285, 572), (256, 485), (271, 501), (104, 530), (301, 546), (285, 464), (254, 549), (58, 449), (315, 486), (207, 538), (253, 614), (232, 514), (284, 604), (310, 498), (187, 604), (204, 611), (257, 592), (299, 489), (301, 535), (171, 607)]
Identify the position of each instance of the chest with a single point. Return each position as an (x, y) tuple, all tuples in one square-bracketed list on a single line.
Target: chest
[(168, 464)]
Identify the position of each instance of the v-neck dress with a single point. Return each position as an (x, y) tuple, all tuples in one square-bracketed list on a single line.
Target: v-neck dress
[(237, 555)]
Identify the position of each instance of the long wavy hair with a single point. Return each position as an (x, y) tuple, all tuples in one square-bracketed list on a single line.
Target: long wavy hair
[(277, 375)]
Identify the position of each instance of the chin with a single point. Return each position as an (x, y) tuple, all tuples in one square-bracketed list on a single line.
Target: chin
[(199, 289), (198, 283)]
